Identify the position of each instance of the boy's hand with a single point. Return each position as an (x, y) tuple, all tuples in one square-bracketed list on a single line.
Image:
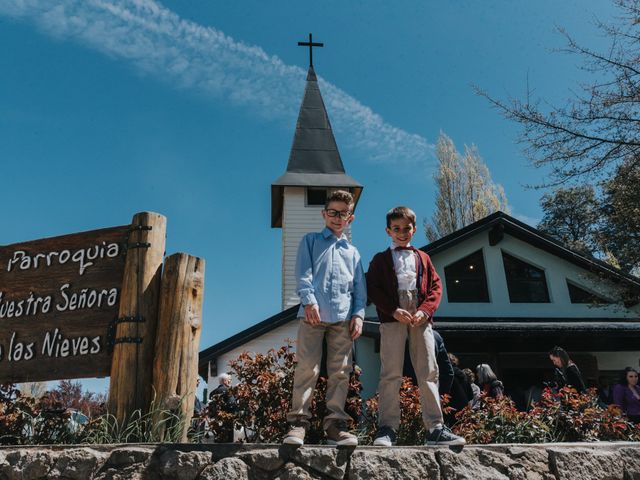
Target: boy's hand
[(402, 316), (312, 314), (355, 327), (420, 318)]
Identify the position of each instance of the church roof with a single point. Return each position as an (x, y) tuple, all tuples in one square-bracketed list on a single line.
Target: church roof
[(499, 223), (314, 160)]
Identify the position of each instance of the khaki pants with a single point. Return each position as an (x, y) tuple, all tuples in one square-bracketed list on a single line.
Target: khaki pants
[(393, 336), (309, 356)]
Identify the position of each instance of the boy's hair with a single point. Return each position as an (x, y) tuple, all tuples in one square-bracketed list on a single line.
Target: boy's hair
[(340, 196), (398, 213)]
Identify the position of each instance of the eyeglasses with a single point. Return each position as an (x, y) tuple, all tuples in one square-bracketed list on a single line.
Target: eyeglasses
[(345, 215)]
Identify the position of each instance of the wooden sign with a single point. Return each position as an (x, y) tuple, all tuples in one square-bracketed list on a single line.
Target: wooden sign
[(58, 298)]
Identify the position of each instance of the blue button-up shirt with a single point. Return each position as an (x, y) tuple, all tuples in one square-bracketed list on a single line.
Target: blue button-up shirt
[(329, 273)]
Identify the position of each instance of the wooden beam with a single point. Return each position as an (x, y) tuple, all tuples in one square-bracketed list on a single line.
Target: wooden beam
[(131, 366), (175, 366)]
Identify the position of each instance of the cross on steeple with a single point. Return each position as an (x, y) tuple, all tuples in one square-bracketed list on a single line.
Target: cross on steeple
[(310, 44)]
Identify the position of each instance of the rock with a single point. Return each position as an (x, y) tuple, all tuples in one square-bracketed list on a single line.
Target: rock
[(631, 459), (473, 464), (25, 464), (291, 471), (178, 465), (328, 461), (123, 457), (77, 464), (265, 459), (126, 463), (405, 463), (529, 463), (226, 469), (589, 464)]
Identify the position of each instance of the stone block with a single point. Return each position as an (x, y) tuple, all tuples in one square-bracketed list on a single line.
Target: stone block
[(593, 463), (405, 463), (77, 464), (226, 469), (28, 463), (178, 465)]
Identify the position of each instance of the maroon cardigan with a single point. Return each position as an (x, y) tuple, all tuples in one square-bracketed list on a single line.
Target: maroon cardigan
[(382, 286)]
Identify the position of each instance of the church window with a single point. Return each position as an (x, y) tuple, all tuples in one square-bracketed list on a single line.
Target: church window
[(580, 295), (467, 280), (316, 196), (526, 283)]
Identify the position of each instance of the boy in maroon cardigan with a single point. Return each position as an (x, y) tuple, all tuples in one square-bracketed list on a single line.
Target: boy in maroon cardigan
[(406, 290)]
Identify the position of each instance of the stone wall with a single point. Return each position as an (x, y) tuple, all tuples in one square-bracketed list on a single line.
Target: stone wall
[(586, 461)]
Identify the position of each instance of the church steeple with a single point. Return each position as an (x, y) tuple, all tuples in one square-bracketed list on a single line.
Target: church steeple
[(314, 160), (313, 171)]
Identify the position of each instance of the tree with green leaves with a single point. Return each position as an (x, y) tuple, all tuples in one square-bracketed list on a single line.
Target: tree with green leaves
[(620, 230), (572, 215), (466, 192)]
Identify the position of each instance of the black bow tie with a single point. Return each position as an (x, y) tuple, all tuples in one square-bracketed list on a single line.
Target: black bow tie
[(405, 248)]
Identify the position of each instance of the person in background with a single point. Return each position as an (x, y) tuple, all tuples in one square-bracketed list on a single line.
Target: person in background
[(627, 394), (489, 382), (567, 373), (445, 369), (471, 378), (198, 407), (461, 392), (222, 401)]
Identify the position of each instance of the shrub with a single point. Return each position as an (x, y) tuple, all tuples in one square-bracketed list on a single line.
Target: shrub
[(578, 417), (263, 396), (499, 421), (411, 430), (28, 421)]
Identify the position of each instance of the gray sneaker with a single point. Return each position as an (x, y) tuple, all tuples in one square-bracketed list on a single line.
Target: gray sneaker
[(386, 437), (444, 436), (338, 434), (296, 434)]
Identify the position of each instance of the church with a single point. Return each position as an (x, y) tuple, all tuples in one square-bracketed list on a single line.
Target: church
[(510, 292)]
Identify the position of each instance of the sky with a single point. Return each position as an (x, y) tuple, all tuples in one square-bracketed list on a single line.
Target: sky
[(188, 109)]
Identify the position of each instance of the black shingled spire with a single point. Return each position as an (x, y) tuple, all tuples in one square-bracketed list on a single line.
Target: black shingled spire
[(314, 160)]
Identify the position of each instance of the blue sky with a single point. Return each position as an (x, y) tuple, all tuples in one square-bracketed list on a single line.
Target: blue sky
[(108, 108)]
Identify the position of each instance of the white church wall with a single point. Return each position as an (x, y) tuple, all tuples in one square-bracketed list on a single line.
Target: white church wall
[(273, 339), (556, 270), (297, 220), (369, 361)]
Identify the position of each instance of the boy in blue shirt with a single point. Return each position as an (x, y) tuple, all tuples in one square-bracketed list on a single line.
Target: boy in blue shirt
[(332, 290)]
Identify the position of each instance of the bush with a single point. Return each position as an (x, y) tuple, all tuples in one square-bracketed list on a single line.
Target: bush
[(499, 421), (578, 417), (263, 396), (411, 430), (559, 416), (29, 421)]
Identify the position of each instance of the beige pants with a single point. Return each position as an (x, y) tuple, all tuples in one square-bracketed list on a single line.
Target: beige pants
[(309, 356), (393, 336)]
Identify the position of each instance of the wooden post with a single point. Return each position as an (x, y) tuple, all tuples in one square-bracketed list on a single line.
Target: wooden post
[(131, 371), (175, 366)]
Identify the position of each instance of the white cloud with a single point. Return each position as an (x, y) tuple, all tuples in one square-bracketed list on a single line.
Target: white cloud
[(158, 42)]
